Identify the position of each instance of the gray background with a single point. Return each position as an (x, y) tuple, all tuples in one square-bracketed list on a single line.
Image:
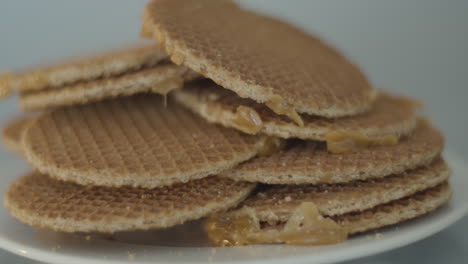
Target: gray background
[(412, 47)]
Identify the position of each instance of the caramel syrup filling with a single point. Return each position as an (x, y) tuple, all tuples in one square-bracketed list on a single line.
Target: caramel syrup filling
[(346, 142), (166, 86), (176, 56), (271, 145), (305, 227), (279, 106), (248, 120)]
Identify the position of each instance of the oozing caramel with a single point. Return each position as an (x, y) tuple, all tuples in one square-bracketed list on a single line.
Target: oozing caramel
[(167, 85), (271, 145), (345, 142), (178, 58), (279, 106), (308, 227), (305, 227), (234, 229), (248, 120)]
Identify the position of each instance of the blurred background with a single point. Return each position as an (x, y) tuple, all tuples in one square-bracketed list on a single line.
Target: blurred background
[(411, 47)]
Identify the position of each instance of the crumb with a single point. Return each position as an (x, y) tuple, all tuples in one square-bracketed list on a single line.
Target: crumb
[(88, 237), (287, 198), (378, 235), (131, 256), (54, 249)]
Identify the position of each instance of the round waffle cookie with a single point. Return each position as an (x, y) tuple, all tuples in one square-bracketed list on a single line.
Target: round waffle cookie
[(309, 162), (137, 141), (85, 69), (389, 116), (273, 203), (13, 132), (158, 79), (240, 51), (40, 201), (396, 211), (333, 229)]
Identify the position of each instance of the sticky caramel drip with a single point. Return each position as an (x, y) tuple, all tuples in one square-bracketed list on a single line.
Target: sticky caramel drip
[(178, 58), (166, 86), (248, 120), (271, 145), (279, 106), (345, 142), (308, 227), (305, 227)]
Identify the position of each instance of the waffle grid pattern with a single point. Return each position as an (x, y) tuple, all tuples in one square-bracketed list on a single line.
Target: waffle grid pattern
[(274, 203), (311, 163), (239, 50), (41, 201), (133, 141)]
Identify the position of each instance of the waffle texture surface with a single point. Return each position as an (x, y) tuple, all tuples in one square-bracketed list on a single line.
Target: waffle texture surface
[(160, 79), (397, 211), (41, 201), (137, 141), (309, 162), (276, 203), (240, 51), (84, 69)]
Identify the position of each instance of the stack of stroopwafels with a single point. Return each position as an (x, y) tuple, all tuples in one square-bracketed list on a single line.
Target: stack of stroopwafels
[(269, 133)]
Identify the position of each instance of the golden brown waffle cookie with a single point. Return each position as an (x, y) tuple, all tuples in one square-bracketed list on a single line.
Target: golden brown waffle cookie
[(389, 116), (13, 132), (259, 57), (91, 68), (160, 79), (397, 211), (309, 162), (135, 141), (41, 201), (307, 227), (275, 203)]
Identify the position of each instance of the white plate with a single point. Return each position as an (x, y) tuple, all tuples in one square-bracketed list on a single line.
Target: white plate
[(163, 247)]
